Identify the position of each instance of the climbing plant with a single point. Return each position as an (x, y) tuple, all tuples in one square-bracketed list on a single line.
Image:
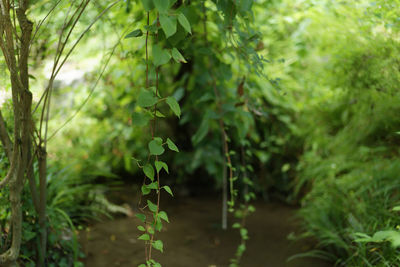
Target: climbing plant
[(214, 45), (198, 55), (163, 26)]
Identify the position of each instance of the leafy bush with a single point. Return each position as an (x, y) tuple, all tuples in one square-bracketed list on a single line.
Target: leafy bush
[(350, 166)]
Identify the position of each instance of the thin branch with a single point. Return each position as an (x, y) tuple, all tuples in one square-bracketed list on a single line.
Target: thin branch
[(90, 93), (5, 138), (43, 20), (83, 34), (73, 47), (59, 51), (11, 170), (61, 44)]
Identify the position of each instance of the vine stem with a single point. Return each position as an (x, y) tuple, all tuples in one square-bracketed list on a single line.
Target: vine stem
[(147, 53), (147, 86), (225, 148), (225, 141), (148, 245), (158, 173)]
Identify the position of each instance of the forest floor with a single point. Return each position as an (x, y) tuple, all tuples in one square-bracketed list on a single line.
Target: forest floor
[(194, 238)]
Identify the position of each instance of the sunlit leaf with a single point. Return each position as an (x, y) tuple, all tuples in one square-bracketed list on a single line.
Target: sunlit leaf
[(171, 145), (184, 22), (168, 189), (173, 104), (149, 171), (158, 244), (160, 164), (163, 215), (144, 237), (177, 56), (152, 206), (168, 24)]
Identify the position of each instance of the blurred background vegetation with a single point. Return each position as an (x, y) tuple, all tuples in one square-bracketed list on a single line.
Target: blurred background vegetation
[(321, 129)]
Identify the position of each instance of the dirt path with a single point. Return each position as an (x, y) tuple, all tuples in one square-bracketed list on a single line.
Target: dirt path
[(193, 239)]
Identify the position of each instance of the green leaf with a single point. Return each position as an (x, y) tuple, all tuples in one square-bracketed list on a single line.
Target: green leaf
[(149, 171), (142, 265), (159, 114), (163, 215), (251, 208), (172, 2), (245, 5), (171, 145), (135, 33), (152, 206), (144, 237), (151, 230), (201, 132), (243, 233), (158, 139), (177, 56), (153, 185), (168, 189), (173, 104), (145, 190), (168, 24), (146, 98), (141, 228), (397, 208), (158, 226), (148, 5), (161, 5), (141, 217), (241, 249), (158, 244), (161, 164), (156, 147), (184, 22), (155, 264), (140, 118), (236, 225), (160, 56), (153, 28)]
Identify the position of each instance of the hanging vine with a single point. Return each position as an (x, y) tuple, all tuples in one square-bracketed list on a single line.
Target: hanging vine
[(210, 73), (148, 101)]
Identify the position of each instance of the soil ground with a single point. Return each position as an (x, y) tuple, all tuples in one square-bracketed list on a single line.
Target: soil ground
[(194, 238)]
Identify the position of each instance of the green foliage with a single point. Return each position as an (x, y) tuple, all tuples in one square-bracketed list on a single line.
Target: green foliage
[(146, 97), (70, 203), (155, 147), (172, 103), (346, 119), (160, 56), (158, 244), (149, 171), (168, 24), (321, 126)]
